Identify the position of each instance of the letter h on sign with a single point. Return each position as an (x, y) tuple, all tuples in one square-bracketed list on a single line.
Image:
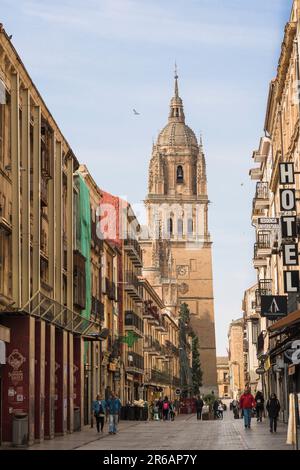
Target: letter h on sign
[(287, 175)]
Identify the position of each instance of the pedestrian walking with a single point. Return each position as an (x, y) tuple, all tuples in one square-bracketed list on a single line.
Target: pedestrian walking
[(199, 405), (220, 410), (247, 403), (215, 409), (273, 408), (259, 399), (235, 408), (156, 411), (166, 409), (99, 409), (172, 411), (113, 407), (160, 408)]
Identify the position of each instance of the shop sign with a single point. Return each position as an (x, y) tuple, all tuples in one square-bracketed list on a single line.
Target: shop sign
[(273, 306), (289, 227), (177, 391), (268, 223), (293, 353)]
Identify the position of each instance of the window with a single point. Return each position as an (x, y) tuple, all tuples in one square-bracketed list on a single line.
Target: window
[(190, 227), (179, 174), (255, 331), (170, 227), (180, 228)]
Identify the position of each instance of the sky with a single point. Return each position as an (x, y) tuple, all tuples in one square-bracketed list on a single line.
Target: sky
[(93, 61)]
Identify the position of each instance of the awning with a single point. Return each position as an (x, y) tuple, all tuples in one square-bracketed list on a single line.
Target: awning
[(286, 321)]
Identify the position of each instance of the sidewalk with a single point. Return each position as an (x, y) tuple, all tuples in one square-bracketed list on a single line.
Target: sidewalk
[(77, 439)]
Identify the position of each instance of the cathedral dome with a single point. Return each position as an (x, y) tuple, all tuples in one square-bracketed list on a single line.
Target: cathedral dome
[(176, 132)]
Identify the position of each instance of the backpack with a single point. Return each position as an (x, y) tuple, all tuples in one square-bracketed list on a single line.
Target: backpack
[(166, 405)]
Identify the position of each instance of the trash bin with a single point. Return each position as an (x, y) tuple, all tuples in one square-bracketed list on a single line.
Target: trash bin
[(20, 430), (77, 423)]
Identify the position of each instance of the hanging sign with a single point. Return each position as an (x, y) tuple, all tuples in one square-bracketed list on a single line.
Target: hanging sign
[(273, 306), (291, 281)]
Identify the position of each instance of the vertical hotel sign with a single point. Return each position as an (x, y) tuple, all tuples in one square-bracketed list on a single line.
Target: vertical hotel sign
[(289, 227)]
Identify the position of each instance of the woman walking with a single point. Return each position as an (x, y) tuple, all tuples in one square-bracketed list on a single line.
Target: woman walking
[(273, 408), (259, 399)]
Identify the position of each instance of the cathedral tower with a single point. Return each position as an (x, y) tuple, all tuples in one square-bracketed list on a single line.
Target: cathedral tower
[(177, 247)]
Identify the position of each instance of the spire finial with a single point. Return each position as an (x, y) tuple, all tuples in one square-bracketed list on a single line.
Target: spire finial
[(176, 82), (201, 141)]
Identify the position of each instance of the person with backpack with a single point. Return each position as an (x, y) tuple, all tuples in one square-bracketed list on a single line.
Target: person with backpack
[(259, 398), (273, 408), (99, 409), (199, 405), (166, 409)]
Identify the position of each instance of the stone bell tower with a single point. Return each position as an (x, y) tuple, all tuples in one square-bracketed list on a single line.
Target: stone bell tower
[(177, 248)]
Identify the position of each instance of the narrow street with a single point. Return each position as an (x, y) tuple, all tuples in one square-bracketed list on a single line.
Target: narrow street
[(185, 433)]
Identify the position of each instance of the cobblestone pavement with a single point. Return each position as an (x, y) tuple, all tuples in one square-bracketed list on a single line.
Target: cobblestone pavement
[(185, 433)]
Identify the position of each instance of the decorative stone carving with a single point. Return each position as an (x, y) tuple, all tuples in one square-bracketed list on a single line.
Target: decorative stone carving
[(183, 288), (182, 270)]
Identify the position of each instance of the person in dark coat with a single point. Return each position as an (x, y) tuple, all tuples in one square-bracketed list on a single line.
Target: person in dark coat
[(273, 408), (259, 399), (215, 408), (199, 405)]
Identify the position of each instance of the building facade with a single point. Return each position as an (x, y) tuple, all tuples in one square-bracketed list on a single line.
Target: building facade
[(43, 273), (177, 245), (278, 274), (223, 377), (236, 357), (251, 334)]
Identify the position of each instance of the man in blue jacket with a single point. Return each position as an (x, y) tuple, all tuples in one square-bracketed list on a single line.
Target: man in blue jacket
[(99, 409), (113, 407)]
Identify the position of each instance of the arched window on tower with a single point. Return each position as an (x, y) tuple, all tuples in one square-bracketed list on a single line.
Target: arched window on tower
[(180, 228), (190, 227), (170, 227), (179, 174)]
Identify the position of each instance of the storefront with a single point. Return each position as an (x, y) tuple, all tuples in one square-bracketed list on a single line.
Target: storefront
[(4, 340)]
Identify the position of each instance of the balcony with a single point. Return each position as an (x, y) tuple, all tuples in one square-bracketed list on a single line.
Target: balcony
[(97, 309), (151, 313), (132, 286), (161, 377), (152, 346), (134, 323), (132, 247), (110, 289), (256, 173), (162, 326), (172, 350), (261, 155), (134, 363), (264, 288), (261, 200), (262, 249)]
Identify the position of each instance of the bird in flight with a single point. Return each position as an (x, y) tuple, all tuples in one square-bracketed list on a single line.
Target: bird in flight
[(135, 112)]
